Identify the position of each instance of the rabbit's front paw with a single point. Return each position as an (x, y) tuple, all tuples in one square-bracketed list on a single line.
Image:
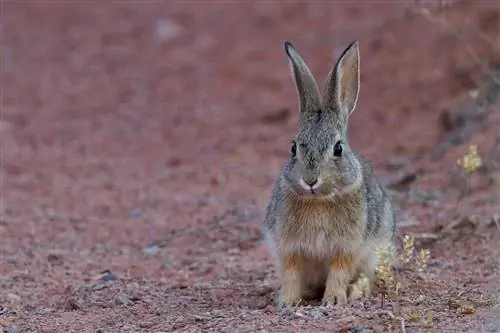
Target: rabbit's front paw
[(332, 297), (291, 289), (337, 282), (360, 288), (285, 302), (290, 294)]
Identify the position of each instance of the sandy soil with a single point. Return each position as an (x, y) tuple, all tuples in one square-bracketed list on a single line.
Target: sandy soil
[(140, 143)]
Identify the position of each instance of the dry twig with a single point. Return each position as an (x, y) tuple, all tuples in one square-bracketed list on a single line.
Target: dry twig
[(401, 320)]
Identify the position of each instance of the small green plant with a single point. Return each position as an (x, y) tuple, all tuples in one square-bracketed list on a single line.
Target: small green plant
[(408, 248), (429, 320), (472, 161), (387, 281), (422, 259), (469, 164)]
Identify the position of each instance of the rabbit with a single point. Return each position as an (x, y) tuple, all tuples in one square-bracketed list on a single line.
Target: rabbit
[(328, 212)]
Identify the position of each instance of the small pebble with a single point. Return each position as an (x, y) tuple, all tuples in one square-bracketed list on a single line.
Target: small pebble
[(13, 297), (54, 259), (122, 299), (10, 329), (98, 287), (72, 304), (30, 306), (46, 311), (359, 329), (317, 314), (286, 312), (135, 213), (108, 276), (151, 249)]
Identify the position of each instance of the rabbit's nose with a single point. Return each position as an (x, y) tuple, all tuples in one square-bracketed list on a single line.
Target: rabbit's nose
[(312, 183)]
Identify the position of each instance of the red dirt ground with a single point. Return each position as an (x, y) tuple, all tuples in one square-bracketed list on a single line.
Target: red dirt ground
[(144, 139)]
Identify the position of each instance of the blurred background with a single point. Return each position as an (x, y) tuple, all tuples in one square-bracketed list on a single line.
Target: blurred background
[(141, 140)]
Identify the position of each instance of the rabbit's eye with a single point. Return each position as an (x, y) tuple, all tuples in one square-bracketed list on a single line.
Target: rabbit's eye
[(337, 149), (293, 149)]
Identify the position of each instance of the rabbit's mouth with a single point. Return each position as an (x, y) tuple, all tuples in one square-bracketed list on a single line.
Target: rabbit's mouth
[(323, 190), (313, 189)]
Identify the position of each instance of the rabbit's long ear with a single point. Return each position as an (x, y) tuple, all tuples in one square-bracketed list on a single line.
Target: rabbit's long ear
[(342, 83), (306, 85)]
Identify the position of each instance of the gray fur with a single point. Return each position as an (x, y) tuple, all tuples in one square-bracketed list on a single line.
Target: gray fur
[(348, 212)]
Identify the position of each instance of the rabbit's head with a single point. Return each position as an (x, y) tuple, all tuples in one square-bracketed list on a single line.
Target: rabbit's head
[(322, 164)]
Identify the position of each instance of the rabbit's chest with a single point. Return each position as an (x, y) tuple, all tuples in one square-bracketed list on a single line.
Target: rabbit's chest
[(320, 235)]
